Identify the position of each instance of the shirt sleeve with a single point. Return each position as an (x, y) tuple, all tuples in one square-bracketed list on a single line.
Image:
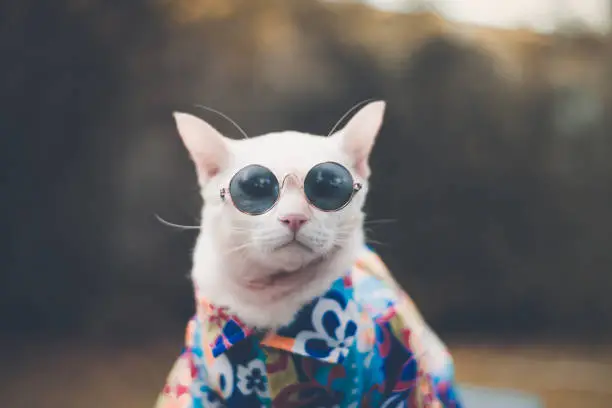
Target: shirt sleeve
[(188, 384), (425, 354), (434, 383), (176, 392)]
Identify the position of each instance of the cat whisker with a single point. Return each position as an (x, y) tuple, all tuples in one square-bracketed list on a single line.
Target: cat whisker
[(223, 115), (375, 242), (359, 104), (179, 226), (380, 221), (368, 240), (238, 248), (261, 233), (344, 235), (238, 229)]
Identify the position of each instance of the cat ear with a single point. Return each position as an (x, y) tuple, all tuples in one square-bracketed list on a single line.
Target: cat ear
[(207, 147), (357, 137)]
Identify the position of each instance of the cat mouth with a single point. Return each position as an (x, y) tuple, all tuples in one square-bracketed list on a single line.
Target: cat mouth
[(294, 243)]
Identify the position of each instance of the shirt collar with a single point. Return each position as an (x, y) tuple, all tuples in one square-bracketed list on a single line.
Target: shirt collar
[(223, 330), (219, 330)]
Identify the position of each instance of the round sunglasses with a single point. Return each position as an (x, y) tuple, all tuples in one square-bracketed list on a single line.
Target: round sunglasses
[(255, 190)]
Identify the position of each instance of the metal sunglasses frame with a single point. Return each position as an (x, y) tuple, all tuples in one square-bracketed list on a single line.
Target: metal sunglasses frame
[(224, 193)]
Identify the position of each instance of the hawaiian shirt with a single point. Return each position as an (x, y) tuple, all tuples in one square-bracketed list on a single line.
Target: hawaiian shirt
[(361, 344)]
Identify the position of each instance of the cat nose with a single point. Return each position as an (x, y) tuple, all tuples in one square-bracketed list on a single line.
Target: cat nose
[(293, 221)]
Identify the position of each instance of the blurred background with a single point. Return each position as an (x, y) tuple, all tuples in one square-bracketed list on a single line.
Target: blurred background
[(490, 197)]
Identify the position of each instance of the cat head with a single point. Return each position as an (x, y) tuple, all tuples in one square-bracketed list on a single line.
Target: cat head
[(293, 234)]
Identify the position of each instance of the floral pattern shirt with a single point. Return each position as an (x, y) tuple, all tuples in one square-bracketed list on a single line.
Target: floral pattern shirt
[(361, 344)]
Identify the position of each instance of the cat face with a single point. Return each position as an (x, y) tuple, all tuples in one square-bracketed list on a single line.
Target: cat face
[(293, 234)]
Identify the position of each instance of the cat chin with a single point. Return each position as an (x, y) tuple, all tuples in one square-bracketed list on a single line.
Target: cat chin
[(277, 304), (288, 258), (226, 282)]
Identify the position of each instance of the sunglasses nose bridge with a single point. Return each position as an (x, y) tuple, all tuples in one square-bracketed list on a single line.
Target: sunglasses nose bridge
[(291, 180), (292, 199)]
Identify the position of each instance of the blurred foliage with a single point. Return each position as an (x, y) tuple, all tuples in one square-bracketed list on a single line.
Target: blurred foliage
[(494, 161)]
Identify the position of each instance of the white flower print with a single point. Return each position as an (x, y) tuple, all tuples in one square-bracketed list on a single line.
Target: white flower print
[(353, 405), (367, 361), (376, 294), (211, 400), (335, 331), (199, 389), (366, 334), (223, 372), (384, 294), (395, 401), (252, 378)]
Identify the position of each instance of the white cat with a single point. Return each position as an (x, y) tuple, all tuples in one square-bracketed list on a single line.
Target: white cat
[(281, 249), (265, 268)]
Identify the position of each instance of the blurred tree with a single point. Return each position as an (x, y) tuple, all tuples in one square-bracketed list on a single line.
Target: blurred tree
[(59, 80), (501, 223)]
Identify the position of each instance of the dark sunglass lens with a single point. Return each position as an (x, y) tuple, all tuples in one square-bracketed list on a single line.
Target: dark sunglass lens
[(328, 186), (254, 189)]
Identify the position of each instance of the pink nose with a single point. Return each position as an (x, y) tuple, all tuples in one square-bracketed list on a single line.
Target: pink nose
[(293, 221)]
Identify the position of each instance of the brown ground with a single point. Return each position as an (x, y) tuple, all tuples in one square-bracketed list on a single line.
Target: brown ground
[(96, 377), (563, 377)]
